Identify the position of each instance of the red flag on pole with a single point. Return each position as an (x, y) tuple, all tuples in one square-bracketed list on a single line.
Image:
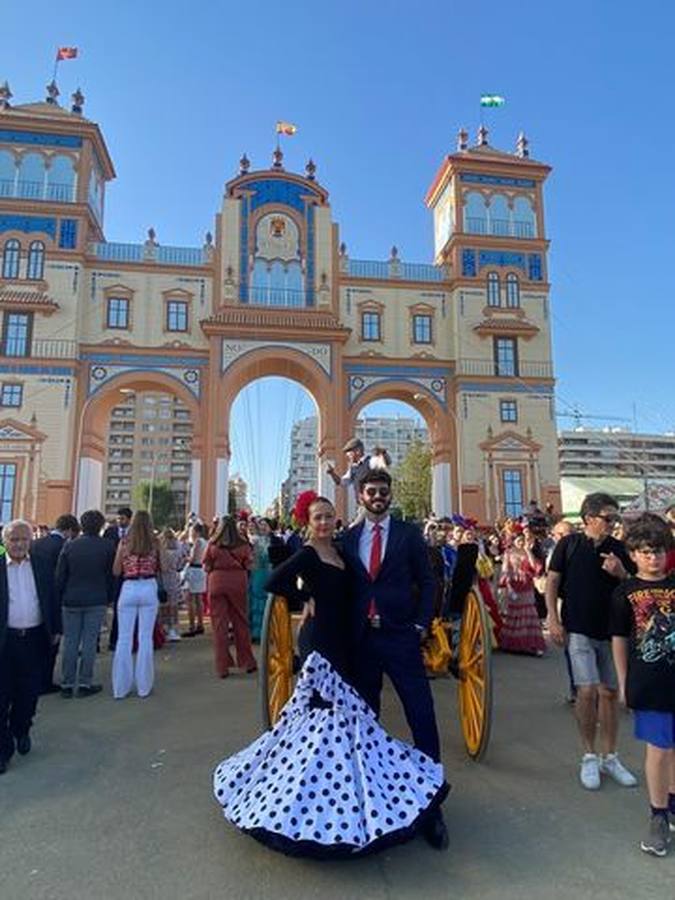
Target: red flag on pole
[(66, 53)]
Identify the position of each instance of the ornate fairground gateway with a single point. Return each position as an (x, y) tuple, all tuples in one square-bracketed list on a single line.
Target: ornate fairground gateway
[(465, 340)]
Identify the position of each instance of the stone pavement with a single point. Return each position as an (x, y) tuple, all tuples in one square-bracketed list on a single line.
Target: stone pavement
[(115, 802)]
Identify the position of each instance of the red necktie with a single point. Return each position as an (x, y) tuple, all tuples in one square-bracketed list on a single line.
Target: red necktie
[(375, 552)]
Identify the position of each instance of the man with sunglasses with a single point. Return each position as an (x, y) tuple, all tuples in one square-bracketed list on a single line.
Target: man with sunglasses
[(394, 592), (584, 571)]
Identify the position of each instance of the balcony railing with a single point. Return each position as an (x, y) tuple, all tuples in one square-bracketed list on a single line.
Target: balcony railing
[(492, 369), (115, 251), (499, 227), (37, 190), (38, 349), (393, 269), (264, 296)]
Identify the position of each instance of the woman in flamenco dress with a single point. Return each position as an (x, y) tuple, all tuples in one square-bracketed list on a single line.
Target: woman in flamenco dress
[(327, 781), (521, 631)]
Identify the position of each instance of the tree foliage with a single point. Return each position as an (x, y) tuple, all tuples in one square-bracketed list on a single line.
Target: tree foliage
[(412, 482), (163, 503)]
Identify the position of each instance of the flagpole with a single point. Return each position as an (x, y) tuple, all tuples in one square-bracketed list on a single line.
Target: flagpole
[(56, 65)]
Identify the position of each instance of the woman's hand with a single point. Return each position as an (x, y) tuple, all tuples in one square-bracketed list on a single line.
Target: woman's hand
[(307, 611)]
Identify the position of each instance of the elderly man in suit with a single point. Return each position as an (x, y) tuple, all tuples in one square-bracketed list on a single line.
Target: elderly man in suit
[(49, 549), (29, 625), (394, 592)]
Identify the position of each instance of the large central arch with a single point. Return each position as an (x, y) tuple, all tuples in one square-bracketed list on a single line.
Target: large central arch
[(282, 362)]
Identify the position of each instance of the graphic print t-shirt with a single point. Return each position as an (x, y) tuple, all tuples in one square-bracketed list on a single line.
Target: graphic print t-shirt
[(644, 612)]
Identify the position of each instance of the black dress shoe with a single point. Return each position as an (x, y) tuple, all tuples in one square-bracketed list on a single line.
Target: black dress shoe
[(23, 744), (51, 689), (3, 765), (67, 693), (436, 833), (88, 690)]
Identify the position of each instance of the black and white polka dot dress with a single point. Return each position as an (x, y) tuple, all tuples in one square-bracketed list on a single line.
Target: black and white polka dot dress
[(328, 780)]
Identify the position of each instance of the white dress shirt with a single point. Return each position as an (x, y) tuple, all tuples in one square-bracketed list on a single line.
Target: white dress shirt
[(24, 605), (366, 540)]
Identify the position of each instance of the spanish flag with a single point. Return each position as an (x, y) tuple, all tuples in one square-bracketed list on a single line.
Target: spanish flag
[(286, 128), (66, 53)]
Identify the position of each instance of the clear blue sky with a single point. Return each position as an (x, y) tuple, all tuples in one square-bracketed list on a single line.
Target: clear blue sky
[(378, 91)]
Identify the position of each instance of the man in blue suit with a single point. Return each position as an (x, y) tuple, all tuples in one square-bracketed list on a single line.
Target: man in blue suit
[(394, 592)]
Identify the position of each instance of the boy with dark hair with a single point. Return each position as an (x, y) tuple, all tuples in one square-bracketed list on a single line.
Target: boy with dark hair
[(642, 625)]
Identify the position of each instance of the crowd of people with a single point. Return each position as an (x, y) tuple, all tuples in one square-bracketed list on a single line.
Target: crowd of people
[(603, 589)]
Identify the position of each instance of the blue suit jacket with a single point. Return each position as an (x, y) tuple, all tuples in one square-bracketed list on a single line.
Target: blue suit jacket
[(404, 588)]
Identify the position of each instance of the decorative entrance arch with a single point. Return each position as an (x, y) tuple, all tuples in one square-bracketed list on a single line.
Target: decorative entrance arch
[(441, 424), (94, 416), (274, 360)]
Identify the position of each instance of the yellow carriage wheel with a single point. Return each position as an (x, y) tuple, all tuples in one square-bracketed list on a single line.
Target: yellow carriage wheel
[(276, 659), (474, 658)]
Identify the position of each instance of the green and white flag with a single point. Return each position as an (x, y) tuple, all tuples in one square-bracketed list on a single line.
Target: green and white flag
[(492, 100)]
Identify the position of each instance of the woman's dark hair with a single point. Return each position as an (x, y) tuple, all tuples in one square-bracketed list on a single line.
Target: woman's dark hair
[(92, 521), (227, 535), (649, 530), (200, 529), (593, 504), (375, 476)]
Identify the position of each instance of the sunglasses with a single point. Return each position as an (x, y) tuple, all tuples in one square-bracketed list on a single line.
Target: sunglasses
[(377, 492), (611, 519)]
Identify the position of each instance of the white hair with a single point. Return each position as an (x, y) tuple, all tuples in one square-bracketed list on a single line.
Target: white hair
[(13, 525)]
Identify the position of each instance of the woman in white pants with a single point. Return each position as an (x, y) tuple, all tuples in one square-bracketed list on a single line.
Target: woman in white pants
[(139, 562)]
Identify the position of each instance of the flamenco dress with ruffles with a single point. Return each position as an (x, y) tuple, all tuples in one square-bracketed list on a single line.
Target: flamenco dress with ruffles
[(327, 781)]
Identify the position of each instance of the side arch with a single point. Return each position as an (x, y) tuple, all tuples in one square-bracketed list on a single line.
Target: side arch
[(93, 417), (442, 426)]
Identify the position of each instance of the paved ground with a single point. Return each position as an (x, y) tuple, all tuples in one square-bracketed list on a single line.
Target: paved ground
[(115, 802)]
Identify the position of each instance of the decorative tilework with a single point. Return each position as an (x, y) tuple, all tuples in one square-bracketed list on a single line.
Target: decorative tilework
[(100, 375), (243, 250), (539, 389), (68, 234), (434, 381), (475, 178), (28, 224), (469, 263), (277, 190), (40, 140), (534, 267), (309, 287), (501, 258)]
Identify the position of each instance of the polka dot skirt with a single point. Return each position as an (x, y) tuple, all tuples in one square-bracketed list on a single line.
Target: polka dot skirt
[(327, 781)]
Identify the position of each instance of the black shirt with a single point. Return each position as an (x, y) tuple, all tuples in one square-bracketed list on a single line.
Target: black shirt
[(644, 612), (586, 589)]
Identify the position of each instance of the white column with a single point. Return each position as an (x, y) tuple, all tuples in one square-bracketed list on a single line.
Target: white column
[(195, 485), (222, 481), (89, 484), (441, 486), (325, 482)]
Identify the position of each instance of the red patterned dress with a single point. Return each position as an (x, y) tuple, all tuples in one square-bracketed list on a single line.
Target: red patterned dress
[(521, 631)]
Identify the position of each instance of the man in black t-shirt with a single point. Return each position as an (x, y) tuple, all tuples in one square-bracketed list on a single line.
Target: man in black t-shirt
[(585, 569)]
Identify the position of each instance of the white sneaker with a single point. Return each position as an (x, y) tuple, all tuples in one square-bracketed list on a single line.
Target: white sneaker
[(611, 765), (590, 771), (173, 635)]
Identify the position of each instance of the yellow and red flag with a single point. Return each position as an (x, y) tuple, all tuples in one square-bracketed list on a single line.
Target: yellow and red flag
[(66, 53), (287, 128)]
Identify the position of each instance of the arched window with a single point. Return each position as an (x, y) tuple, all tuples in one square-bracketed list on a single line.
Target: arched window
[(475, 213), (10, 258), (499, 215), (7, 173), (61, 179), (493, 289), (36, 260), (32, 176), (524, 219), (512, 291)]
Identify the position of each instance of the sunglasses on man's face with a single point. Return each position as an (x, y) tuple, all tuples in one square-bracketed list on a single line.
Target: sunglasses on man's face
[(377, 492), (610, 519)]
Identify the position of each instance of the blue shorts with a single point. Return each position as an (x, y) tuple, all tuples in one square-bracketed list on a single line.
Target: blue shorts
[(656, 728)]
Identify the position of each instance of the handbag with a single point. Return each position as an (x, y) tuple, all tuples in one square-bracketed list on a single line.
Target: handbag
[(436, 652)]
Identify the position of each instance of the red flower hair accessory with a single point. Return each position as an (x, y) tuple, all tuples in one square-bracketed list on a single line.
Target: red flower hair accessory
[(303, 502)]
